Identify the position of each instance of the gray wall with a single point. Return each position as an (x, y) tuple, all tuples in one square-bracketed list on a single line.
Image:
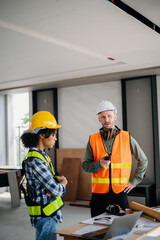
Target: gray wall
[(45, 101), (77, 111), (139, 120)]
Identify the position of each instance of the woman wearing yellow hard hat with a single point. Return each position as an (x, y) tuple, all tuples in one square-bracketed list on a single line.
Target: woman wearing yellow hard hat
[(43, 192)]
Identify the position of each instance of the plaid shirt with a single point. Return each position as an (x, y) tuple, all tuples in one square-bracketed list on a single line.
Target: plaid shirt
[(40, 178)]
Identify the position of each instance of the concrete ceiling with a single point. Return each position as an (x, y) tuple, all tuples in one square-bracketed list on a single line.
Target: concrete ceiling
[(75, 42)]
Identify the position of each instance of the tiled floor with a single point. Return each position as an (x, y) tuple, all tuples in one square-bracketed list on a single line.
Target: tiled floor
[(15, 224)]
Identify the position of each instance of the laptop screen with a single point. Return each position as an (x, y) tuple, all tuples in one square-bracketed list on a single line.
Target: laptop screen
[(121, 225)]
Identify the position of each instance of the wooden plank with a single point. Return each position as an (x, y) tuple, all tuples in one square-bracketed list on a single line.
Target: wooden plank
[(69, 230), (67, 233), (70, 169), (84, 184)]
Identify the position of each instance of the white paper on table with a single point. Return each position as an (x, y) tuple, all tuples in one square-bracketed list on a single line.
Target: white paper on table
[(145, 224), (155, 235), (101, 219)]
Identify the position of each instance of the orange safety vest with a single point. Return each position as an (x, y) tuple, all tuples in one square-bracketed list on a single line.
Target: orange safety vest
[(121, 163)]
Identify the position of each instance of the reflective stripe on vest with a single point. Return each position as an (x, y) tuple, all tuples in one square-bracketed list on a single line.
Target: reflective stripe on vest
[(34, 210), (52, 207), (121, 163), (48, 210), (106, 180)]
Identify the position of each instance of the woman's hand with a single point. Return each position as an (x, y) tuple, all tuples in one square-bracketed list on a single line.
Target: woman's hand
[(62, 179)]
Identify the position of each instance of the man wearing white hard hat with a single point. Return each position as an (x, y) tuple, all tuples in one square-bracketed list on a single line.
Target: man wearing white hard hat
[(108, 157)]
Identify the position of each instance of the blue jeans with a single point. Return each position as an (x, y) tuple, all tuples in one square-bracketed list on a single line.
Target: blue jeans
[(45, 229)]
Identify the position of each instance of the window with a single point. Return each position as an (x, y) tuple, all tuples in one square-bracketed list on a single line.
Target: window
[(20, 105)]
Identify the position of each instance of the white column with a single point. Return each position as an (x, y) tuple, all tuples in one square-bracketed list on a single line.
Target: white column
[(2, 131), (11, 132)]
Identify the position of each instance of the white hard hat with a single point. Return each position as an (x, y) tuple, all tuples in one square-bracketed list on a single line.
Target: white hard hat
[(106, 106)]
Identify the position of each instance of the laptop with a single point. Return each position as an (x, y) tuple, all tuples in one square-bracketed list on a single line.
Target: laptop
[(120, 226)]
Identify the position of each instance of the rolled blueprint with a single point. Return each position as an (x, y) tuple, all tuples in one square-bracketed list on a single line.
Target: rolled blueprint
[(146, 210)]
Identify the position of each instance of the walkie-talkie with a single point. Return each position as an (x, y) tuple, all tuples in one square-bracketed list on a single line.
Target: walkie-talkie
[(108, 158)]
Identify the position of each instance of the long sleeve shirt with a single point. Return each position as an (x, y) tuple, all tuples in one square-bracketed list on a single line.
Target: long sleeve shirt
[(40, 179), (89, 165)]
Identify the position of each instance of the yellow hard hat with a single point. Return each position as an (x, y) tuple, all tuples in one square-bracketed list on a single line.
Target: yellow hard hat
[(43, 119)]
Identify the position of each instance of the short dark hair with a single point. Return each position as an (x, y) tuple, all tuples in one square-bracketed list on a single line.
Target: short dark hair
[(31, 139)]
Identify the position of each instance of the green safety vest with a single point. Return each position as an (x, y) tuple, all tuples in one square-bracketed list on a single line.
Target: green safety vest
[(51, 208)]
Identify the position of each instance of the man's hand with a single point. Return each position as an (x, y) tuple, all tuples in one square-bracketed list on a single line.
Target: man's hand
[(129, 187), (104, 163)]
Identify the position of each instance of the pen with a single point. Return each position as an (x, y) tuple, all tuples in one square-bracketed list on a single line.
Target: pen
[(151, 218)]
